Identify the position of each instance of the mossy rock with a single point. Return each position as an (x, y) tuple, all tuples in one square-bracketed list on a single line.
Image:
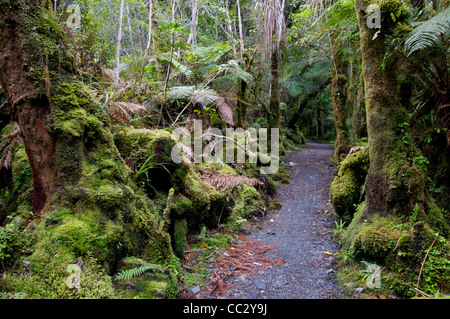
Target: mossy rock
[(144, 143), (57, 282), (275, 204), (182, 205), (346, 188), (154, 283), (148, 151), (249, 202), (376, 242), (205, 205)]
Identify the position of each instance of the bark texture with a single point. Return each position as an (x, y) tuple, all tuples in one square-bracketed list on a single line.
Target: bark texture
[(339, 96), (394, 183), (80, 182)]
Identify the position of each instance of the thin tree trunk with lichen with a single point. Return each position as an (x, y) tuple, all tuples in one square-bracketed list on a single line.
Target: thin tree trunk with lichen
[(394, 183), (359, 129), (339, 97), (274, 98), (80, 182), (119, 40)]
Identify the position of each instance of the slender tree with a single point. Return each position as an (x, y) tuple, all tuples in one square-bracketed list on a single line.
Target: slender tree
[(119, 39), (194, 20), (339, 96), (274, 38)]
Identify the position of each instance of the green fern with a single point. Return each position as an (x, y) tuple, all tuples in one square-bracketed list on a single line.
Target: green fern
[(428, 33), (127, 274)]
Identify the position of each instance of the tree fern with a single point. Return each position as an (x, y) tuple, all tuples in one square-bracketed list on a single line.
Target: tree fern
[(428, 33), (127, 274), (180, 92)]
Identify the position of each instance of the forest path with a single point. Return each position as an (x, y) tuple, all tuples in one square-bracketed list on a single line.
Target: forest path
[(300, 231)]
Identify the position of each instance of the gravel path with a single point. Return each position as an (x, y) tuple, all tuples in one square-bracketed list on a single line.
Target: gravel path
[(301, 232)]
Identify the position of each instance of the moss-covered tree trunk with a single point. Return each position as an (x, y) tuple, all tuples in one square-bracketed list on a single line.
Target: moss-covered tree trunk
[(339, 96), (84, 199), (394, 183), (274, 99), (359, 129)]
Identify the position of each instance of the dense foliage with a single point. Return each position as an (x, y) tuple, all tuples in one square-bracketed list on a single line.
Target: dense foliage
[(144, 68)]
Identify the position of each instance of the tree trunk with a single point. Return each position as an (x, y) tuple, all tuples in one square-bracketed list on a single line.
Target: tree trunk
[(319, 123), (79, 178), (193, 35), (394, 183), (359, 129), (119, 38), (339, 96), (241, 35), (274, 98)]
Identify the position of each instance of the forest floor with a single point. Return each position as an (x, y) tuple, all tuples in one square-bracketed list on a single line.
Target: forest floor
[(290, 255)]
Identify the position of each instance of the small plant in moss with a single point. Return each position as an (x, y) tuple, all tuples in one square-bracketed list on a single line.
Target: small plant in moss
[(81, 243), (10, 240), (436, 270), (127, 274)]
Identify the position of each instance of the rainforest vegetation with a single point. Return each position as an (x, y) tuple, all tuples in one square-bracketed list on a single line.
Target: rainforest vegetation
[(92, 92)]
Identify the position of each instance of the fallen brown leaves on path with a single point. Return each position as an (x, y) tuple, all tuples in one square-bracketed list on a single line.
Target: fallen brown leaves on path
[(244, 257)]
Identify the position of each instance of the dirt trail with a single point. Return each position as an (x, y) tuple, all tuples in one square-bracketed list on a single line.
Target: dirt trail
[(303, 267)]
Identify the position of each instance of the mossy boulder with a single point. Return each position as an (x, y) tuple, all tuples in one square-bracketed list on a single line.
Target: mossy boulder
[(346, 188), (275, 204), (249, 202), (376, 242), (140, 144), (148, 153), (65, 278), (205, 204)]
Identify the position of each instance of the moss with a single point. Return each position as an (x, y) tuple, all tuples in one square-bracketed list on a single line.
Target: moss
[(94, 282), (109, 196), (376, 242), (207, 204), (345, 190), (249, 202), (179, 237), (275, 204), (21, 181), (284, 175), (72, 96), (435, 217), (143, 143), (217, 167), (154, 283), (182, 205)]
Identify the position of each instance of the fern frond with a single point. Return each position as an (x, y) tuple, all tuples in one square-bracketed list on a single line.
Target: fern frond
[(224, 110), (180, 92), (204, 96), (123, 111), (181, 69), (127, 274), (222, 181), (232, 68), (428, 32)]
